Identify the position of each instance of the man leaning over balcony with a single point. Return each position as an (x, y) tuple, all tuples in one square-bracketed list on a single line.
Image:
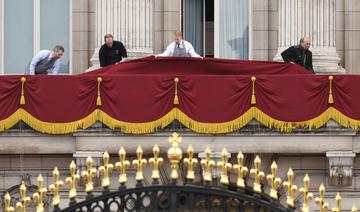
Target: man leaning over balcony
[(46, 61)]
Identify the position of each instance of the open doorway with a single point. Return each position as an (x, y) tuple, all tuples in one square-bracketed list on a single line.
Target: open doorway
[(198, 25)]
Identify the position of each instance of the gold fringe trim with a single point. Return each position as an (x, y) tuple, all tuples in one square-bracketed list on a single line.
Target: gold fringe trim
[(58, 128), (138, 128), (10, 121), (215, 128), (48, 127), (175, 113)]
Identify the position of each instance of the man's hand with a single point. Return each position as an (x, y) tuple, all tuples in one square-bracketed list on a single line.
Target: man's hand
[(123, 60)]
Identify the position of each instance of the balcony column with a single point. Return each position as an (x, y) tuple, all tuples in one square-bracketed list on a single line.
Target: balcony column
[(129, 21), (315, 19)]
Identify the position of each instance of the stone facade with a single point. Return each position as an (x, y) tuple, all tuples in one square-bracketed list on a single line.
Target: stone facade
[(266, 30), (24, 152)]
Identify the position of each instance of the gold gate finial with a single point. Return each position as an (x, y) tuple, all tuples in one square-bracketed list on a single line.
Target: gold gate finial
[(354, 209), (207, 165), (105, 170), (174, 155), (7, 201), (291, 188), (338, 203), (190, 163), (139, 164), (24, 199), (257, 174), (225, 167), (89, 174), (274, 181), (306, 194), (72, 180), (122, 165), (39, 196), (156, 162), (241, 171), (320, 201), (55, 187)]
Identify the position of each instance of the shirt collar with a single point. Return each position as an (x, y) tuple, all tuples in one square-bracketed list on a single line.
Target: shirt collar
[(181, 43), (51, 55)]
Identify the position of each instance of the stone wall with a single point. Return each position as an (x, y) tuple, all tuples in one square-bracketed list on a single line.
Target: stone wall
[(82, 34), (352, 35)]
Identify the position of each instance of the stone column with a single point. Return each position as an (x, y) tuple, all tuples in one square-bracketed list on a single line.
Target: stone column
[(130, 21), (315, 19)]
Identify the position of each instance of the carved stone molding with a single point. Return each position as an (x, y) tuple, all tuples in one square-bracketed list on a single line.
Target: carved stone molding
[(340, 167)]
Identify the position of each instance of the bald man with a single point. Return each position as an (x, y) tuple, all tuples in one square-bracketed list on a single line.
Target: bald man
[(300, 54)]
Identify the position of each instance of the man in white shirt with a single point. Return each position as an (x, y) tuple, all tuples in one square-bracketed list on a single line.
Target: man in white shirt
[(179, 48), (46, 61)]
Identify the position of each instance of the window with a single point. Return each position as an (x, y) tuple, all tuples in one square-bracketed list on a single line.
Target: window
[(18, 35), (25, 34), (218, 28), (232, 29), (54, 29)]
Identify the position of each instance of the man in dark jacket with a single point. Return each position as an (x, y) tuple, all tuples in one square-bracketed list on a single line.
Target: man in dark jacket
[(111, 52), (300, 54)]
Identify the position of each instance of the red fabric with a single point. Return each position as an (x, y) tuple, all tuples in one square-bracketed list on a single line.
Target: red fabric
[(204, 97), (198, 66), (59, 99)]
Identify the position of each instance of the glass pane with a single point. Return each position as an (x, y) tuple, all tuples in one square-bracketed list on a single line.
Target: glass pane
[(193, 19), (54, 28), (18, 35), (234, 29)]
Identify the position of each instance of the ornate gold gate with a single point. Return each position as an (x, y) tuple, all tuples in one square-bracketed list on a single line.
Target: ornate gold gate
[(175, 196)]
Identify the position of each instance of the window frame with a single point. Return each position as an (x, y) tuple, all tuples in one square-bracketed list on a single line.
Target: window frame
[(37, 32)]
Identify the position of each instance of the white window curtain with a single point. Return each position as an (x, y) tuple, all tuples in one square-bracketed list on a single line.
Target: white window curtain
[(232, 29), (193, 22)]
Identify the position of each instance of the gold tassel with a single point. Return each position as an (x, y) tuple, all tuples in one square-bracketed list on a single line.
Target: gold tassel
[(176, 97), (98, 100), (331, 98), (22, 98), (253, 98)]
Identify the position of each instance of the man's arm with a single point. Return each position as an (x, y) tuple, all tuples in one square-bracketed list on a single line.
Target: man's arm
[(167, 52), (102, 57), (288, 55), (192, 52), (39, 56), (122, 51), (311, 64)]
